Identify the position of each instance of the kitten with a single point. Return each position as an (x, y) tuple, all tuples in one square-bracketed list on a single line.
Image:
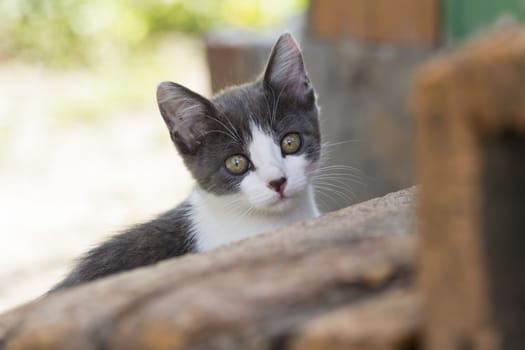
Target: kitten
[(252, 150)]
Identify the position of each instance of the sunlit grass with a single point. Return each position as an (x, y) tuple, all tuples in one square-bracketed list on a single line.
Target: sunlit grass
[(130, 84), (120, 49), (105, 95), (5, 135), (84, 153)]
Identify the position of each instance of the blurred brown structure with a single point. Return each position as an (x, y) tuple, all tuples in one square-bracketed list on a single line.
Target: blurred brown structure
[(470, 110), (234, 58), (407, 22)]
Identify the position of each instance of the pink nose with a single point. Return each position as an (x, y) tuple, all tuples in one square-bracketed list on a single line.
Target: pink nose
[(278, 185)]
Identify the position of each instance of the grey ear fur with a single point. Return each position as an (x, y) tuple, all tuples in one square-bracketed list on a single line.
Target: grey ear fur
[(285, 68), (185, 113)]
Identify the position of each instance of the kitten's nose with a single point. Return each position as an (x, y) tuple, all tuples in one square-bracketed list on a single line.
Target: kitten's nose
[(278, 185)]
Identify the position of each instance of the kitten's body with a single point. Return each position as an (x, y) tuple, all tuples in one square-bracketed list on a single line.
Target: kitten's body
[(252, 150)]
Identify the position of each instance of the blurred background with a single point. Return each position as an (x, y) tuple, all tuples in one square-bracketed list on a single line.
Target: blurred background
[(84, 152)]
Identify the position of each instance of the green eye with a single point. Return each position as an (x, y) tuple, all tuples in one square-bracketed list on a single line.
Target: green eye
[(290, 143), (236, 164)]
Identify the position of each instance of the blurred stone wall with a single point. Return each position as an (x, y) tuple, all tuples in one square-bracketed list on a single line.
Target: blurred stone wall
[(362, 92)]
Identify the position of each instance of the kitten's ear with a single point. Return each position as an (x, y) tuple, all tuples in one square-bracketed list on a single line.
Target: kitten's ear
[(285, 70), (186, 114)]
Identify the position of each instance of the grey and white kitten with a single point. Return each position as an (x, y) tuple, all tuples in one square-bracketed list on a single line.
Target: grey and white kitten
[(252, 151)]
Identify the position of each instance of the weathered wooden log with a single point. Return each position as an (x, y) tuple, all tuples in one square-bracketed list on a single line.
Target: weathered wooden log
[(275, 291), (391, 321), (470, 111)]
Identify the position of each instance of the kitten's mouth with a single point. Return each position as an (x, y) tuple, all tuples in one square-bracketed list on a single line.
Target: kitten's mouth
[(284, 198), (278, 201)]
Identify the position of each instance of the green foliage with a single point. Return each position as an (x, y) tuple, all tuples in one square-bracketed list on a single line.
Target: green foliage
[(116, 51), (65, 32)]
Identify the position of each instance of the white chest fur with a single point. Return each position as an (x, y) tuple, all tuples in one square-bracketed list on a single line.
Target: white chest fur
[(216, 223)]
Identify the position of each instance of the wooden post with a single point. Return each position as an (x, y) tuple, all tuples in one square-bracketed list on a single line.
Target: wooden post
[(470, 112), (406, 22), (234, 59)]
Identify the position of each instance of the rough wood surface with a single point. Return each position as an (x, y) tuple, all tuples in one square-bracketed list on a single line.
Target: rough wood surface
[(388, 322), (470, 112), (264, 293)]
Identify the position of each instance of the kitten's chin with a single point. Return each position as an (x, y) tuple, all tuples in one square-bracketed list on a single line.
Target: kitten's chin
[(277, 205)]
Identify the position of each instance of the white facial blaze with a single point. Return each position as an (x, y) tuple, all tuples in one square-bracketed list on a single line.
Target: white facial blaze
[(270, 165), (218, 220)]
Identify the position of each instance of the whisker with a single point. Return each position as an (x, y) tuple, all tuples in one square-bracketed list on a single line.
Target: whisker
[(339, 200), (338, 143), (331, 199), (337, 190), (340, 177), (340, 166), (232, 132)]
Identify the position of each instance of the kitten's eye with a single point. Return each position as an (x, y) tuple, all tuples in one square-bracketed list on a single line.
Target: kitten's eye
[(290, 143), (237, 164)]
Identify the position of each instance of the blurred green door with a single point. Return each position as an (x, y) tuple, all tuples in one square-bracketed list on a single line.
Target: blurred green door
[(463, 17)]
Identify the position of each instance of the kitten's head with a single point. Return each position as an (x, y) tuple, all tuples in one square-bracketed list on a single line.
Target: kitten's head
[(258, 142)]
